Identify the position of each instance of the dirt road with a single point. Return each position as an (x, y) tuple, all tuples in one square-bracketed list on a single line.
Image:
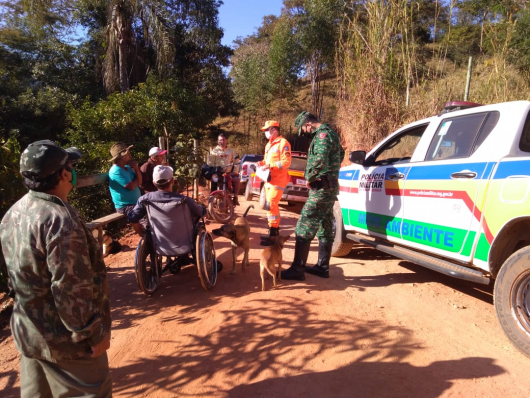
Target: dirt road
[(379, 327)]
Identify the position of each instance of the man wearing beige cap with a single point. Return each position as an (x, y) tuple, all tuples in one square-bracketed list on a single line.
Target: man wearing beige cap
[(124, 178), (156, 157), (163, 180)]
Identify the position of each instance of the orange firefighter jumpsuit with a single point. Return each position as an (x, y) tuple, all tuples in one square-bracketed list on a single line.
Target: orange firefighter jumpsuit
[(278, 158)]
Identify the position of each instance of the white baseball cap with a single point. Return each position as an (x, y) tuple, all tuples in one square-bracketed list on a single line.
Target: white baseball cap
[(155, 151), (162, 174)]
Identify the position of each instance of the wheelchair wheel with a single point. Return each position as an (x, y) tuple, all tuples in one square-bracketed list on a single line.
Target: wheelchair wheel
[(205, 258), (147, 266)]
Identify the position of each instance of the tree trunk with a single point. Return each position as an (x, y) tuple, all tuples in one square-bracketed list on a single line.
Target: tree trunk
[(124, 80), (315, 72), (123, 34)]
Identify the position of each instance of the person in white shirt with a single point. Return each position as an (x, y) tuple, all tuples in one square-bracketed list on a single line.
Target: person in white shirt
[(222, 155)]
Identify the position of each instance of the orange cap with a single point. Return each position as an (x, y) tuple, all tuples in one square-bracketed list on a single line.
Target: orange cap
[(269, 124)]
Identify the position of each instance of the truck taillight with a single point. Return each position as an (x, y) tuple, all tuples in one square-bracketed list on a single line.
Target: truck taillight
[(244, 172)]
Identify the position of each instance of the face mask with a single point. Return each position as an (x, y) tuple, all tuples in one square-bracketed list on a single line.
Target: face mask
[(74, 178), (268, 134)]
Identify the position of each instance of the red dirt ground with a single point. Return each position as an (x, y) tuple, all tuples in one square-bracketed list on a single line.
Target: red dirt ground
[(379, 327)]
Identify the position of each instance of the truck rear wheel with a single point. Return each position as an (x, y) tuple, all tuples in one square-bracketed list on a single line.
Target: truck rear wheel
[(262, 198), (512, 299), (248, 190), (341, 246)]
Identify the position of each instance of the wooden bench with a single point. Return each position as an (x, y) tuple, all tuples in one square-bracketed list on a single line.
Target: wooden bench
[(100, 223)]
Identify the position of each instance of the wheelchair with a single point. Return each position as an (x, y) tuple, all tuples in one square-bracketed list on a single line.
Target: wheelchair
[(171, 233)]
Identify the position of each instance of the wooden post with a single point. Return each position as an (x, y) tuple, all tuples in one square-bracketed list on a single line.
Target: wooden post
[(468, 80), (162, 145), (196, 180), (407, 102)]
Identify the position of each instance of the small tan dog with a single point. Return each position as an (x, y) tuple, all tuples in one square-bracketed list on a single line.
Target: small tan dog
[(239, 235), (271, 256)]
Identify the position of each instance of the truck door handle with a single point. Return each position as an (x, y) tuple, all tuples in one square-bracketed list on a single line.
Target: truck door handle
[(464, 174), (396, 176)]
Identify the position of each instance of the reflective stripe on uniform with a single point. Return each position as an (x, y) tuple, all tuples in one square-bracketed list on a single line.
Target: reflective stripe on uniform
[(279, 188), (279, 165), (273, 217)]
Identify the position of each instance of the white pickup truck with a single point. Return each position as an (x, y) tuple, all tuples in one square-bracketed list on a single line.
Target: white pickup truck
[(451, 193)]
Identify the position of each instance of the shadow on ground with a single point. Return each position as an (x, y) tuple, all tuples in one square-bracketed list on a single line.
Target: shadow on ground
[(364, 255), (251, 343), (373, 379)]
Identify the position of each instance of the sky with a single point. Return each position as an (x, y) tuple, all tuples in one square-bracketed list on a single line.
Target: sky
[(242, 17)]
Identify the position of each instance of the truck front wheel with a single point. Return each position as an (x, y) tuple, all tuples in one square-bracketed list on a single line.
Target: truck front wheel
[(512, 299), (341, 247)]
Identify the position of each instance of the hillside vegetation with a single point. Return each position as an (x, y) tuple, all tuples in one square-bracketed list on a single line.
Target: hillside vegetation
[(487, 86)]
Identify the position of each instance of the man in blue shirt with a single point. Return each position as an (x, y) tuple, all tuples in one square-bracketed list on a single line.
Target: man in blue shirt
[(124, 178)]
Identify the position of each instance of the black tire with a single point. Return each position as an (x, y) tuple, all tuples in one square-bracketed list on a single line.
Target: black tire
[(147, 266), (341, 246), (512, 299), (221, 208), (206, 260), (248, 191), (262, 198)]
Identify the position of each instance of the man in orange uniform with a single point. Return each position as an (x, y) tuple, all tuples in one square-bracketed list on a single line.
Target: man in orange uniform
[(277, 160)]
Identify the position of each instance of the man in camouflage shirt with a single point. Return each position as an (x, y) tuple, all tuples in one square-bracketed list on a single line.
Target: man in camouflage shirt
[(322, 173), (61, 317)]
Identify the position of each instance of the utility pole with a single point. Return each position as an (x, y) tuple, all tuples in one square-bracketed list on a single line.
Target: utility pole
[(468, 80)]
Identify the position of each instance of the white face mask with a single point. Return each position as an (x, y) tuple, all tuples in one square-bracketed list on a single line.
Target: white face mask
[(268, 134)]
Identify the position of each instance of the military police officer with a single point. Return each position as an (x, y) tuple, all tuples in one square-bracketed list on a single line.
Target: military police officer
[(61, 316), (322, 173)]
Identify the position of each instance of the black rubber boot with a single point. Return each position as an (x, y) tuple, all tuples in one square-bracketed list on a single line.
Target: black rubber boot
[(266, 240), (262, 237), (324, 255), (296, 271)]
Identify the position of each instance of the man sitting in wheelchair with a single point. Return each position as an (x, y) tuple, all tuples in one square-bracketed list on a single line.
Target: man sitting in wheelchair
[(172, 224)]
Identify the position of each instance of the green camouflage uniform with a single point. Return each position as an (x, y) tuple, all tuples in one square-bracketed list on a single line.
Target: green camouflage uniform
[(324, 157), (57, 273)]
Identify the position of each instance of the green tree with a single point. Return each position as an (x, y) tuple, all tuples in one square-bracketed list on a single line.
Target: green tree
[(316, 27), (284, 62), (39, 74), (139, 115), (265, 68), (250, 76)]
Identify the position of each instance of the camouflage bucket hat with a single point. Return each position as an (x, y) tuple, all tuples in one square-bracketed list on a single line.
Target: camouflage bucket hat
[(299, 121), (43, 158)]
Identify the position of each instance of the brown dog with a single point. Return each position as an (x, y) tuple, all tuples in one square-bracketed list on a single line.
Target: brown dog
[(110, 246), (239, 235), (271, 256)]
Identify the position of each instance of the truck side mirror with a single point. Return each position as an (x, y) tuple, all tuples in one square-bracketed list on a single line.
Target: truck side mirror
[(357, 157)]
